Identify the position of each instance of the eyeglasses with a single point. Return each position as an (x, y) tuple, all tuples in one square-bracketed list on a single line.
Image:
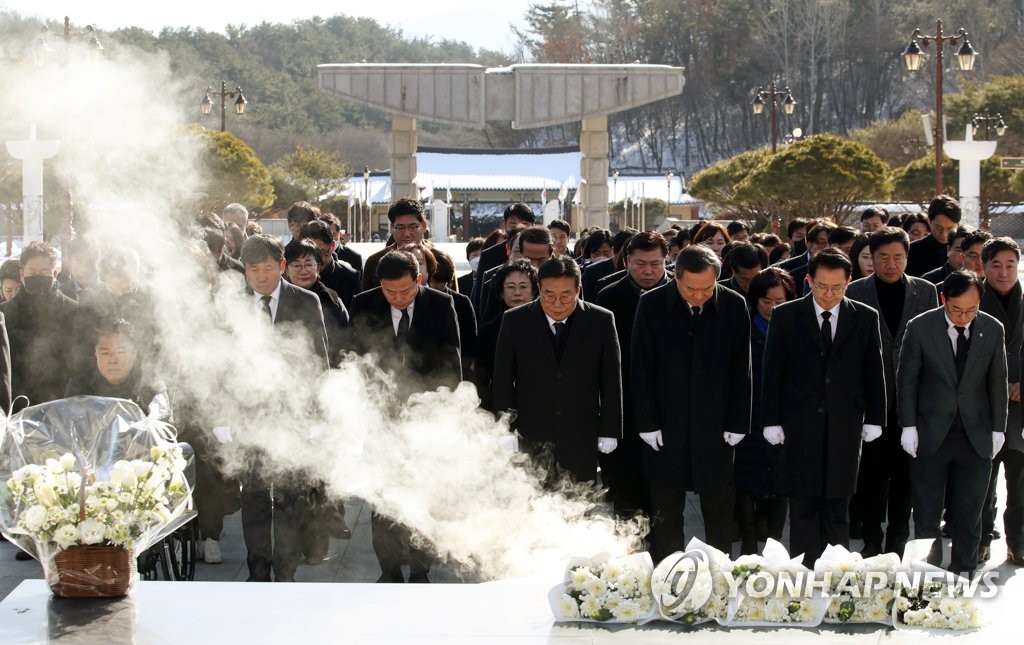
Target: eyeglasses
[(835, 289), (945, 229), (563, 299), (403, 228), (973, 311), (304, 266)]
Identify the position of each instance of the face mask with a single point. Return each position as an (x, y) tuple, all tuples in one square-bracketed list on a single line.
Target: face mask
[(474, 263), (37, 284)]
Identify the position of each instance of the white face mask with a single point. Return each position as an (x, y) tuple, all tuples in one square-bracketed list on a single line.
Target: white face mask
[(474, 263)]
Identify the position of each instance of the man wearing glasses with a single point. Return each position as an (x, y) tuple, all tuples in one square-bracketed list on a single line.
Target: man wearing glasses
[(929, 252), (823, 393), (954, 256), (407, 227), (556, 369)]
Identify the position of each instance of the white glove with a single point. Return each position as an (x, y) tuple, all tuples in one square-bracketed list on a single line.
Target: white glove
[(732, 438), (160, 407), (607, 444), (870, 432), (909, 441), (652, 439), (998, 438), (223, 434), (510, 442), (774, 435)]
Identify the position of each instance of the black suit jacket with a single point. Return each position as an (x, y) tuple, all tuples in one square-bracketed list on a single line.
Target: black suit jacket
[(467, 330), (1012, 320), (568, 402), (342, 279), (300, 308), (430, 358), (822, 403), (693, 386), (925, 254), (930, 393), (594, 272), (491, 257), (39, 329)]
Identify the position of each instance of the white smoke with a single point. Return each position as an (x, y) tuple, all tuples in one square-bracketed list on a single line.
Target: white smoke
[(433, 461)]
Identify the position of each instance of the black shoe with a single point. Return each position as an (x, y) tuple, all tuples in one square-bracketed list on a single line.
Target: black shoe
[(1013, 558), (996, 534), (340, 531), (22, 556), (316, 558), (392, 577), (870, 550), (419, 577), (984, 553)]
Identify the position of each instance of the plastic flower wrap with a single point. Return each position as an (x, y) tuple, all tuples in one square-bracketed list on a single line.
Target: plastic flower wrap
[(772, 591), (929, 598), (90, 472), (605, 589), (691, 588), (860, 590)]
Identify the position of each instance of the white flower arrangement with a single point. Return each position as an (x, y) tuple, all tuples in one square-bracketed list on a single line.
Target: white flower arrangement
[(138, 496), (777, 605), (861, 590), (935, 605), (691, 588), (603, 589)]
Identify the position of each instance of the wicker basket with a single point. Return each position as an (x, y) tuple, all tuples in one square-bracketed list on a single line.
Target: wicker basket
[(93, 572)]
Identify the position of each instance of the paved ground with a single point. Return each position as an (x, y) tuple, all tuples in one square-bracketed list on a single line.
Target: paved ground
[(353, 560)]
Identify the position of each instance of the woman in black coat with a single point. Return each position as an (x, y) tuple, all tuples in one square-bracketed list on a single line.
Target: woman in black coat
[(760, 512), (303, 270), (518, 280)]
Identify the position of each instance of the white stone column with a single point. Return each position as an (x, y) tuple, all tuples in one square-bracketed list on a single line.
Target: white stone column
[(970, 154), (31, 153), (593, 210), (403, 158)]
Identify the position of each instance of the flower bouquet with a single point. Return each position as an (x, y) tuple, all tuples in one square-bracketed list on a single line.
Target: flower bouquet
[(605, 589), (772, 591), (860, 590), (691, 588), (929, 598), (88, 483)]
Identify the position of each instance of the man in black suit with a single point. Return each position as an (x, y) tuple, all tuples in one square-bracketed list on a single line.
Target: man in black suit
[(883, 483), (414, 331), (408, 225), (516, 214), (274, 506), (556, 366), (336, 274), (954, 256), (690, 373), (823, 392), (745, 261), (952, 401), (596, 271), (929, 252), (622, 471)]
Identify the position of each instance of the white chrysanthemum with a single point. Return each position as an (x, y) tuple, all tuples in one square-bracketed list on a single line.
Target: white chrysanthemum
[(54, 466), (959, 621), (627, 611), (876, 612), (716, 607), (721, 585), (753, 609), (91, 531), (579, 576), (67, 462), (806, 613), (66, 536), (974, 617), (44, 491), (883, 596), (612, 571), (123, 474), (902, 604), (948, 606), (613, 600), (776, 611), (34, 518), (936, 620), (661, 588), (589, 606), (595, 587), (567, 607)]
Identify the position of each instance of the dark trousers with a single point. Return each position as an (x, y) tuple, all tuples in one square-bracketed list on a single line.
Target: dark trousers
[(816, 522), (753, 512), (1013, 517), (622, 473), (668, 501), (395, 545), (215, 496), (273, 512), (883, 491), (968, 476)]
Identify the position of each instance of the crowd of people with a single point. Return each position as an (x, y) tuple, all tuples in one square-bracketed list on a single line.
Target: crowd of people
[(846, 379)]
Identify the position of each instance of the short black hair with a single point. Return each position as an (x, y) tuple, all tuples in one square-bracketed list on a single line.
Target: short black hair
[(960, 233), (997, 244), (647, 241), (110, 327), (874, 211), (210, 220), (260, 247), (817, 226), (621, 239), (520, 266), (736, 226), (959, 282), (395, 265), (697, 258), (888, 235), (444, 266), (794, 224), (830, 259), (38, 249), (520, 211), (745, 255), (11, 270), (302, 212), (913, 218), (765, 280), (406, 206), (317, 230), (561, 225), (842, 235), (944, 205), (474, 245), (214, 239), (975, 237), (535, 234), (563, 267), (778, 251), (596, 240), (298, 249)]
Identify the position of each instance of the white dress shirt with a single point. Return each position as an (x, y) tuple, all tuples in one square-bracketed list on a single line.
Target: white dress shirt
[(396, 316), (275, 299), (951, 331), (834, 320)]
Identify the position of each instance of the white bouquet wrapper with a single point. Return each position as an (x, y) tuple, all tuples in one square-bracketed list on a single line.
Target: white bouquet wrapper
[(936, 607), (861, 590), (690, 587), (778, 608), (605, 589)]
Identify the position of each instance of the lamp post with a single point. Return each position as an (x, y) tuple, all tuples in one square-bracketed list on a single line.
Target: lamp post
[(771, 95), (983, 122), (668, 197), (206, 105), (366, 202), (914, 58), (41, 51)]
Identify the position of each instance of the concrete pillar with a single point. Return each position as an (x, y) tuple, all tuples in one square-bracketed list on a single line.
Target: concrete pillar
[(31, 152), (970, 154), (403, 158), (593, 209)]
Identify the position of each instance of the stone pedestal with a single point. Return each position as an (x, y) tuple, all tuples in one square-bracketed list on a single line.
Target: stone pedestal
[(31, 152), (403, 157), (593, 188), (970, 154)]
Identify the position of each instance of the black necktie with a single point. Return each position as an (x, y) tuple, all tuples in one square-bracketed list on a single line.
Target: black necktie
[(266, 308), (694, 316), (559, 328), (826, 331), (403, 326), (961, 350)]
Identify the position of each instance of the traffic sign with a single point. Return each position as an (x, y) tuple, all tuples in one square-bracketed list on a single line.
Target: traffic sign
[(1012, 163)]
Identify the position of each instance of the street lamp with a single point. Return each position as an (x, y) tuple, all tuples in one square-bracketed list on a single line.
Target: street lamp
[(206, 105), (771, 96), (41, 49), (913, 57), (366, 202), (983, 120), (668, 200)]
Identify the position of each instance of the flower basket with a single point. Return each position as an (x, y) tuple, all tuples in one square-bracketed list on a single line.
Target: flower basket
[(93, 572), (603, 589)]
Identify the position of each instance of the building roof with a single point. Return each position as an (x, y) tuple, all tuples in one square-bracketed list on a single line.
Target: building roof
[(498, 169)]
